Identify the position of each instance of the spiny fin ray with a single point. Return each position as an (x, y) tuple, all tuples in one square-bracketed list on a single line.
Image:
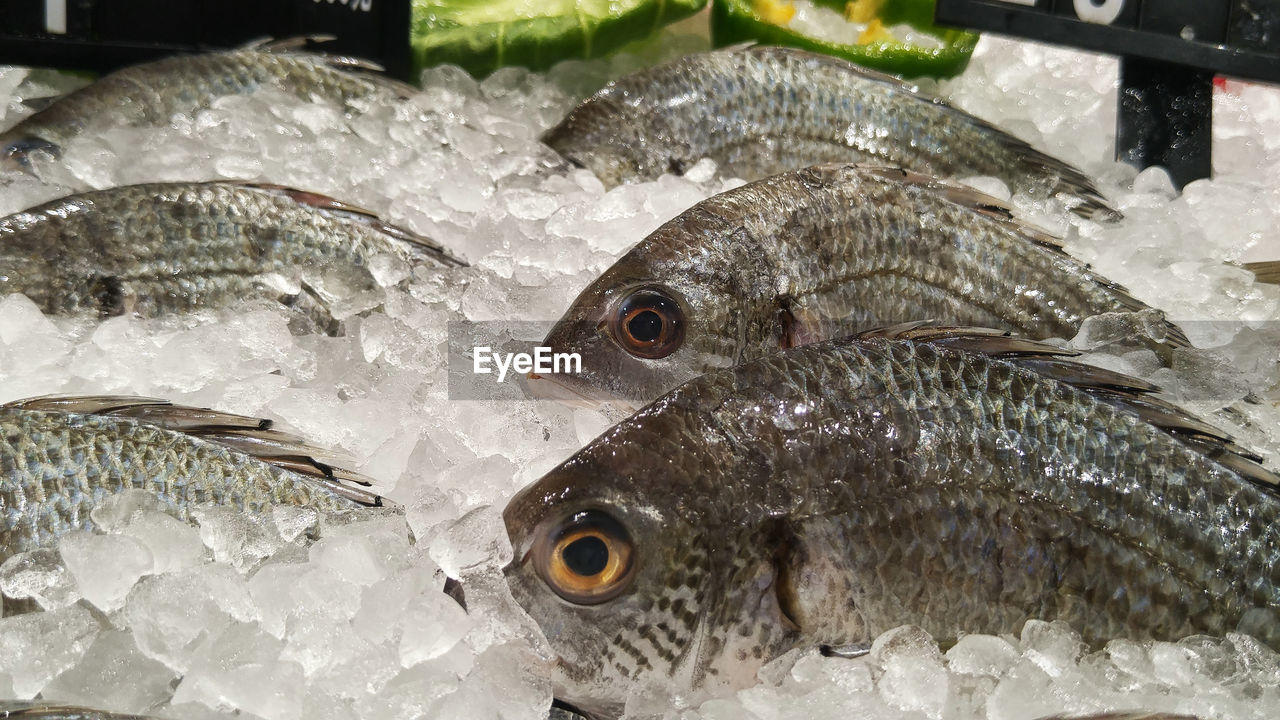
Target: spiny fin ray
[(248, 435)]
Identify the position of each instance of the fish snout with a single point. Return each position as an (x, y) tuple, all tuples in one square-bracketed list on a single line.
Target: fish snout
[(563, 389)]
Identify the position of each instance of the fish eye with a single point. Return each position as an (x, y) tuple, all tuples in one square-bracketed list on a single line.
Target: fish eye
[(648, 323), (586, 559)]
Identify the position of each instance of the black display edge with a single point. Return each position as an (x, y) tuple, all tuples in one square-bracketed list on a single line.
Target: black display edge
[(1038, 25)]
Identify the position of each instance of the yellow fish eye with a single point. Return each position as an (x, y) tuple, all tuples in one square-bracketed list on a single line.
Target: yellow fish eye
[(588, 559)]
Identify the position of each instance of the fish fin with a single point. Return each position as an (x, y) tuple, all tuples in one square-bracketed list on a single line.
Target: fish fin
[(292, 43), (84, 404), (249, 435), (562, 710), (848, 652), (1124, 715), (1264, 272), (36, 104), (16, 154), (44, 710), (368, 69), (1121, 391), (797, 326), (787, 553), (1087, 200), (421, 243)]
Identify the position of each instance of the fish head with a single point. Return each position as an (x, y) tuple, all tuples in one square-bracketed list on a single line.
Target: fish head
[(643, 591), (643, 327)]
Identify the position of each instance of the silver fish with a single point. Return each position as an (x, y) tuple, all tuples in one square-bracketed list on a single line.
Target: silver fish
[(175, 247), (151, 93), (957, 480), (758, 111), (816, 254)]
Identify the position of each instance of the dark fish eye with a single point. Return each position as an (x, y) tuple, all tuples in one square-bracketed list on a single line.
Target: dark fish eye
[(586, 559), (648, 323)]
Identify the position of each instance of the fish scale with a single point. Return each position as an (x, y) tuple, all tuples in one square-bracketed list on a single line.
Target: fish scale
[(845, 488)]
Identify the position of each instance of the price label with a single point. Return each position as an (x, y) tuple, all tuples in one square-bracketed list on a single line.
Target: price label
[(55, 17), (1103, 12)]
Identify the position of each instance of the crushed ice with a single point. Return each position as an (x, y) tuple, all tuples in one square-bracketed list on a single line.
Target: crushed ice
[(295, 615)]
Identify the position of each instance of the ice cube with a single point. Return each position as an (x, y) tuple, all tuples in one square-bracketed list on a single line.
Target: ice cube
[(169, 614), (235, 536), (113, 675), (105, 567), (36, 647), (39, 575)]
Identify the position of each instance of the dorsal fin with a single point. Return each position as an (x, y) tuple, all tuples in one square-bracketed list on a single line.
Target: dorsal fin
[(319, 201), (1091, 201), (299, 45), (1116, 389), (45, 710), (248, 435), (999, 211)]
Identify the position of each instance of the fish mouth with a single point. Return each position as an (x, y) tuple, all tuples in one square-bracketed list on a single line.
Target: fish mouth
[(553, 387)]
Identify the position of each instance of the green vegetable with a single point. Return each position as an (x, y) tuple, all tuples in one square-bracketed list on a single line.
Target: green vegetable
[(483, 35), (736, 21)]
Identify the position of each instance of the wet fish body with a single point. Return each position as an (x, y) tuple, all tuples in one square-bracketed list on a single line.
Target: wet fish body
[(175, 247), (758, 111), (825, 494), (816, 254), (61, 457), (151, 93)]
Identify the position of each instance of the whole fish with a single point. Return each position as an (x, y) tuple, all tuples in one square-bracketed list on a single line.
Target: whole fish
[(758, 111), (952, 479), (151, 93), (60, 457), (176, 247), (816, 254)]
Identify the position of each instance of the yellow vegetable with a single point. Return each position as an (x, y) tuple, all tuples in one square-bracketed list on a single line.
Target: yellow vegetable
[(874, 33), (862, 11), (778, 12)]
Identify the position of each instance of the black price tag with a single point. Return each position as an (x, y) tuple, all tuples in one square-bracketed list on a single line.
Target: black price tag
[(103, 35)]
